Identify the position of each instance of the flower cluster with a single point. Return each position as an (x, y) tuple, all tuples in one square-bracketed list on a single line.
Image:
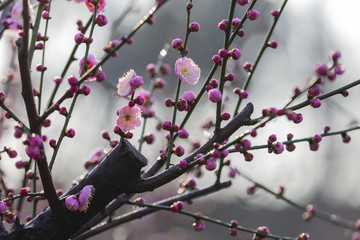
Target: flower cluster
[(33, 144)]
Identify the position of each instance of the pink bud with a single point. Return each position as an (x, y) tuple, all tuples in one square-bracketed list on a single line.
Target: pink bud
[(198, 225), (79, 38), (179, 151), (101, 20), (85, 89), (189, 96), (214, 95), (24, 191), (176, 43), (315, 103), (223, 24), (166, 125), (216, 59), (235, 54), (72, 203), (253, 14), (72, 80), (70, 133), (100, 76), (183, 133), (45, 15), (136, 82), (182, 164), (210, 165), (194, 27), (242, 2)]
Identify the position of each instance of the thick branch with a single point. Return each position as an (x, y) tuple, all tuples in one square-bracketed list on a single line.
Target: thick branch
[(35, 127), (243, 118), (118, 173), (115, 175)]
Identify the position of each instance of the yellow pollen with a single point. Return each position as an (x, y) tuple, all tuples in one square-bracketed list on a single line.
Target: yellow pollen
[(185, 71), (127, 117)]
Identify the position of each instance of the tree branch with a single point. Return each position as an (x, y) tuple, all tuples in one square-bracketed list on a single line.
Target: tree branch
[(34, 119), (115, 175), (243, 118), (139, 213)]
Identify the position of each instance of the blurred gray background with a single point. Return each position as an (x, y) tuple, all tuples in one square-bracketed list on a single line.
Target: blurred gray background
[(307, 31)]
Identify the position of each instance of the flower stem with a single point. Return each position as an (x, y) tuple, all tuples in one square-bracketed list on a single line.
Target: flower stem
[(318, 213), (172, 139), (307, 139), (224, 63), (62, 134), (260, 54), (43, 62), (67, 66), (105, 57), (209, 219)]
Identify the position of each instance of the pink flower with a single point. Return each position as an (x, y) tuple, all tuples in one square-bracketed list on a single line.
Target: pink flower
[(126, 82), (72, 203), (91, 5), (85, 196), (187, 70), (129, 118), (90, 62), (16, 19)]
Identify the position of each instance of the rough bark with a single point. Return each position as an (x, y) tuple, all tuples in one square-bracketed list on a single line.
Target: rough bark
[(115, 175)]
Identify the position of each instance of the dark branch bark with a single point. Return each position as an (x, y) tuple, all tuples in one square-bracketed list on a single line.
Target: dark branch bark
[(35, 127), (116, 174)]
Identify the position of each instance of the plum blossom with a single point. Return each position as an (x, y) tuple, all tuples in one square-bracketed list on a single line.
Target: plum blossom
[(128, 83), (187, 70), (91, 6), (85, 196), (129, 118)]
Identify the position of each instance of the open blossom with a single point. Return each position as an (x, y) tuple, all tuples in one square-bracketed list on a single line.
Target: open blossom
[(91, 6), (129, 118), (187, 70), (90, 62), (85, 196), (128, 83)]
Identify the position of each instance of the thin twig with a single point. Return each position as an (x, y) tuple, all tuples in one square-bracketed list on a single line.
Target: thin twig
[(143, 212), (317, 213)]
